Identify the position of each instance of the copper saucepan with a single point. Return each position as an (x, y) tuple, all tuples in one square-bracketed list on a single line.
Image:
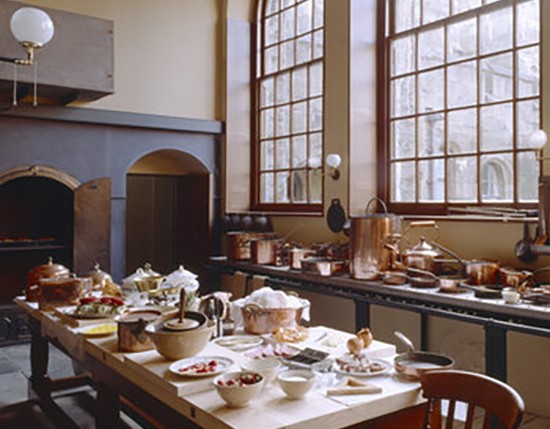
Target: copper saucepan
[(413, 364)]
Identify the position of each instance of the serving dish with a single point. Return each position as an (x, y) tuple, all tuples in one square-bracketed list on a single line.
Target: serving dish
[(98, 330), (361, 367), (239, 342), (200, 366)]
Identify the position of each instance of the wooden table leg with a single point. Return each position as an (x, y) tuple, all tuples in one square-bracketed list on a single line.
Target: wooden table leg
[(40, 354), (107, 414)]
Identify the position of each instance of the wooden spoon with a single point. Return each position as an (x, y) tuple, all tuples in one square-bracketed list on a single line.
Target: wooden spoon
[(181, 323)]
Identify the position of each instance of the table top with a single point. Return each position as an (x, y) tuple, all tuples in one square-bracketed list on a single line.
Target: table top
[(197, 399)]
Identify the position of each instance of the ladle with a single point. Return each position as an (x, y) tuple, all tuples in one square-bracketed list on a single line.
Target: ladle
[(181, 323)]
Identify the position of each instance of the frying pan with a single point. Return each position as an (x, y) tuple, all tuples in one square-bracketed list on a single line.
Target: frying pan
[(483, 292), (413, 364)]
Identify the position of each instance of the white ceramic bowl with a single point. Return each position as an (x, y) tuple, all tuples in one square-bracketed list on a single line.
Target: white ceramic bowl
[(268, 367), (296, 383), (238, 394)]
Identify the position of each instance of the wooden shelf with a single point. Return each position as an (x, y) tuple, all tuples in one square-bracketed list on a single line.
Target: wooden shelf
[(29, 248)]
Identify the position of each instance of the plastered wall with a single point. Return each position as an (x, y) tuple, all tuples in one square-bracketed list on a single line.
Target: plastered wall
[(166, 54)]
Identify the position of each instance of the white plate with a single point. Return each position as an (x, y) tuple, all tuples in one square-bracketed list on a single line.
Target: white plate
[(99, 330), (223, 364), (386, 368), (239, 342)]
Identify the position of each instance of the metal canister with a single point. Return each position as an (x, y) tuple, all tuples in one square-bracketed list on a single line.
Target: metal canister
[(368, 237), (131, 330)]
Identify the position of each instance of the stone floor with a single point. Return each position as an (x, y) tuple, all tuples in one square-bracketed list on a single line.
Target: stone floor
[(17, 411)]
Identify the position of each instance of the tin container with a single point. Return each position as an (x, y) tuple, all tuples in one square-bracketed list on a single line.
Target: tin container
[(131, 330)]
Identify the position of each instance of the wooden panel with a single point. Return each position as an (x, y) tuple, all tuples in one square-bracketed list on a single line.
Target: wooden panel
[(77, 64), (192, 226), (92, 225)]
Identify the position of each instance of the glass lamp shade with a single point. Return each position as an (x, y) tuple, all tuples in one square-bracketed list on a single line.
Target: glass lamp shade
[(537, 139), (31, 25), (333, 160)]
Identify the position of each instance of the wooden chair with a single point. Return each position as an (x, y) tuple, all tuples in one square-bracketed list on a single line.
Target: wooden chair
[(503, 406)]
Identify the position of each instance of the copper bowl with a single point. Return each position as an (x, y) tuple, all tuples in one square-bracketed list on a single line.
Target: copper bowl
[(258, 320)]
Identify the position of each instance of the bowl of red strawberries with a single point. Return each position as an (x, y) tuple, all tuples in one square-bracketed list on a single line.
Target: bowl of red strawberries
[(238, 388)]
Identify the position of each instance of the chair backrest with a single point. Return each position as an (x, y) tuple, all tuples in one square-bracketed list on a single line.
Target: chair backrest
[(503, 406)]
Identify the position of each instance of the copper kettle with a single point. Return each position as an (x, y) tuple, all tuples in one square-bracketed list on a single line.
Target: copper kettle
[(422, 256)]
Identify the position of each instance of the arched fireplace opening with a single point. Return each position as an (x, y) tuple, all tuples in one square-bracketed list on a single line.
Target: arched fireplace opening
[(36, 222)]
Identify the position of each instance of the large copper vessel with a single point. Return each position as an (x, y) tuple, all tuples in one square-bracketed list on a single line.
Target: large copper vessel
[(369, 235)]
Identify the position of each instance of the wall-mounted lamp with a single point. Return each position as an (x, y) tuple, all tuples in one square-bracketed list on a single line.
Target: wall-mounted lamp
[(333, 161), (536, 141), (33, 28)]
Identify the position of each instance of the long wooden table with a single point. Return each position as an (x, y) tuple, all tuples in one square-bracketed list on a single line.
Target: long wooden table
[(141, 382)]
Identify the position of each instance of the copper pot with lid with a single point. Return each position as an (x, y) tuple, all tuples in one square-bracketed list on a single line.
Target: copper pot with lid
[(44, 271)]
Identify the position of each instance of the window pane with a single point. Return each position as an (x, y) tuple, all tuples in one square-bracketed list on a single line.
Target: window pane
[(431, 48), (497, 127), (266, 186), (431, 177), (272, 30), (528, 120), (303, 51), (431, 91), (528, 72), (403, 95), (528, 177), (528, 22), (462, 179), (433, 10), (431, 135), (299, 186), (462, 84), (299, 117), (287, 55), (462, 40), (318, 44), (283, 153), (267, 155), (403, 55), (266, 123), (315, 149), (266, 96), (462, 131), (271, 59), (316, 114), (496, 178), (403, 138), (315, 187), (299, 152), (318, 13), (283, 121), (272, 6), (463, 5), (496, 34), (283, 88), (299, 83), (283, 183), (316, 80), (407, 14), (287, 24), (287, 3), (304, 17), (497, 78), (404, 186)]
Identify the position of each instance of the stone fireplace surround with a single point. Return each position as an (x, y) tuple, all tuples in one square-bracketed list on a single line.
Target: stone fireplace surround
[(89, 144)]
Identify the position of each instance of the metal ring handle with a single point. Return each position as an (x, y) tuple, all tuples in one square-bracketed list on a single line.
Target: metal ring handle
[(381, 201)]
